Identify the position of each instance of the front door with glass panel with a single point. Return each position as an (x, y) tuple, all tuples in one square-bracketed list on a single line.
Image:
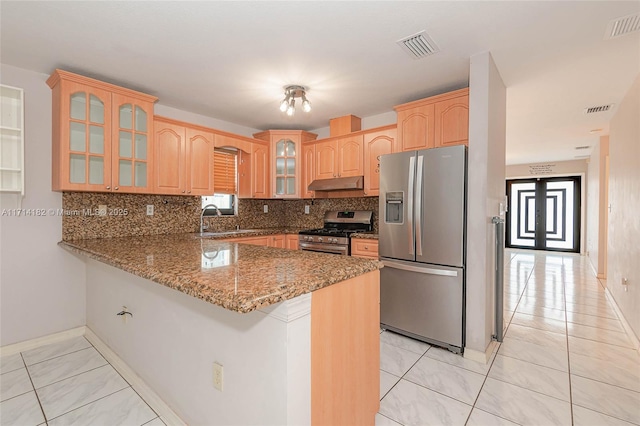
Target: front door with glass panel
[(544, 214)]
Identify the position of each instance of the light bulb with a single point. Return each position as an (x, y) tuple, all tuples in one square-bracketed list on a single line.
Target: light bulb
[(291, 110), (306, 106), (284, 105)]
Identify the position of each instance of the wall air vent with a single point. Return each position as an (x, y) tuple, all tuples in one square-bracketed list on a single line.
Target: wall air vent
[(418, 46), (582, 156), (583, 147), (621, 26), (600, 108)]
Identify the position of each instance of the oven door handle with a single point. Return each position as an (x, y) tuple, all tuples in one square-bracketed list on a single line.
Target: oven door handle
[(324, 248)]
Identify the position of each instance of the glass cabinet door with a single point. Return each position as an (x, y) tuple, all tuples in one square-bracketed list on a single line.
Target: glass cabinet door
[(88, 122), (285, 168), (131, 150)]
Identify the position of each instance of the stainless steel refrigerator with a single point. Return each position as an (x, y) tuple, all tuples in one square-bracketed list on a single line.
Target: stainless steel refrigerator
[(422, 244)]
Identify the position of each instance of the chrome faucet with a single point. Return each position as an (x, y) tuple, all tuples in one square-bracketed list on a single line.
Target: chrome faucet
[(204, 209)]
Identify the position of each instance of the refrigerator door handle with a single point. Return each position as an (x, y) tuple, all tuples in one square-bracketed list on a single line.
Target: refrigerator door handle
[(419, 205), (412, 163), (420, 270)]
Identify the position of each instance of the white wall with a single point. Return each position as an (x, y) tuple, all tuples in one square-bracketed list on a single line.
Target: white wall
[(623, 257), (189, 117), (42, 288), (549, 169), (597, 212), (486, 183), (593, 206), (173, 339)]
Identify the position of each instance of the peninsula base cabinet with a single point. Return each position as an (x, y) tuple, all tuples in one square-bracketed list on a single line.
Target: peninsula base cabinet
[(310, 360)]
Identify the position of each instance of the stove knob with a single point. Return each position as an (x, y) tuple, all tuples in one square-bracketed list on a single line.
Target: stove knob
[(334, 241), (320, 239), (308, 238)]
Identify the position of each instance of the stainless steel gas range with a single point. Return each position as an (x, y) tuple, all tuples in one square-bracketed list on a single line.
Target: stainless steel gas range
[(334, 236)]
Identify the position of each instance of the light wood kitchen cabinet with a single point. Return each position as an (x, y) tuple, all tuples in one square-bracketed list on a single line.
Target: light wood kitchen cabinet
[(260, 187), (376, 144), (132, 151), (339, 157), (277, 241), (244, 174), (308, 170), (326, 154), (452, 122), (286, 169), (351, 156), (256, 241), (289, 241), (183, 159), (199, 167), (416, 127), (363, 247), (101, 136), (292, 241), (441, 120)]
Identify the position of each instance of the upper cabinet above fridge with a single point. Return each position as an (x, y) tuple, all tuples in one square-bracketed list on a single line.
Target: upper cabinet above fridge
[(434, 122)]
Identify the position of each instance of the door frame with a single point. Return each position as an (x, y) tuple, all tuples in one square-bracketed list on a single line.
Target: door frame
[(578, 197)]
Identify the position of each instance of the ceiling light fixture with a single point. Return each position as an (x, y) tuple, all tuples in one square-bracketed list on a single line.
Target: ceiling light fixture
[(288, 104)]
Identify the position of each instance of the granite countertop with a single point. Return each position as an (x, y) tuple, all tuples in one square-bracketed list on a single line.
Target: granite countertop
[(235, 276), (258, 232), (365, 235)]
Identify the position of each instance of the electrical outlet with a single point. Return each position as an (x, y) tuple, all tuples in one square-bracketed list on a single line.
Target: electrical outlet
[(218, 376), (266, 208), (102, 210), (149, 209), (306, 209)]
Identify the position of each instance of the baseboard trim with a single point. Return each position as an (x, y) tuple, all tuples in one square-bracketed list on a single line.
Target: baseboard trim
[(41, 341), (167, 415), (480, 356), (627, 327)]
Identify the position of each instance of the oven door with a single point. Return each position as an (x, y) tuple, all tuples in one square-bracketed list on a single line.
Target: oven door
[(324, 248)]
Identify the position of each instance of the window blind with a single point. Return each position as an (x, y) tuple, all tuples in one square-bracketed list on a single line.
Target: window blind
[(224, 172)]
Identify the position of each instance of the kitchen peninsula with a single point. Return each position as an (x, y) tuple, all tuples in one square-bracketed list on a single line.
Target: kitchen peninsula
[(296, 332)]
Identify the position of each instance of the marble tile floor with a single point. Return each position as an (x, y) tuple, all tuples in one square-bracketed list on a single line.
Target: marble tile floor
[(565, 359), (68, 383)]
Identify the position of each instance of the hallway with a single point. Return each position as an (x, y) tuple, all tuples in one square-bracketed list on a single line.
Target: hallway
[(565, 359)]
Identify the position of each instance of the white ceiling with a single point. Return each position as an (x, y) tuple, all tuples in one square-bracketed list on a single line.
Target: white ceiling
[(230, 60)]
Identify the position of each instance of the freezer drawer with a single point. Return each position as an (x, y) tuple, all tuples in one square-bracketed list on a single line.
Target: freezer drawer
[(423, 301)]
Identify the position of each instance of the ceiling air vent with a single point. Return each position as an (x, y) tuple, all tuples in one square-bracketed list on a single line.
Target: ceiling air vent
[(600, 108), (583, 147), (418, 45), (621, 26)]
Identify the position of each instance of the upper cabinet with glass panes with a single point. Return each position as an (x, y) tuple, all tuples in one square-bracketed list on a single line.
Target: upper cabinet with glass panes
[(101, 136), (286, 161)]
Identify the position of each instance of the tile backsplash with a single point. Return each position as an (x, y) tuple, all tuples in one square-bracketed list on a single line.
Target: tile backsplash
[(127, 214)]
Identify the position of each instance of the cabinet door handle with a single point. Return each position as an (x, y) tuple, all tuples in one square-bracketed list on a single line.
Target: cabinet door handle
[(188, 192), (108, 187), (183, 191), (116, 188)]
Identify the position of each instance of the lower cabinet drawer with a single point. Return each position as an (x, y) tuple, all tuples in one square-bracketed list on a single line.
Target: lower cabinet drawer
[(364, 248)]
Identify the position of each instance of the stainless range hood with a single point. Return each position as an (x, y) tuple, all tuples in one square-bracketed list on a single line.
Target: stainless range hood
[(337, 184)]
